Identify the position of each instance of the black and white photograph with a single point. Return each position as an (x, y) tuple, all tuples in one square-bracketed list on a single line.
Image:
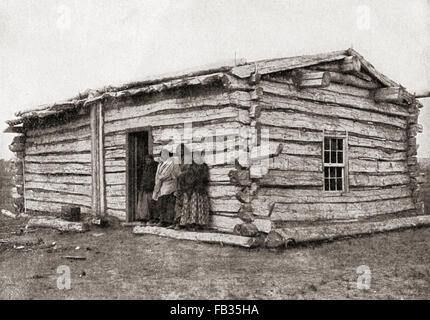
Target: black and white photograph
[(216, 150)]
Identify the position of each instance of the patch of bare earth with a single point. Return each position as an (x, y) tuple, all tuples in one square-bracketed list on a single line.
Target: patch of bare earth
[(120, 265)]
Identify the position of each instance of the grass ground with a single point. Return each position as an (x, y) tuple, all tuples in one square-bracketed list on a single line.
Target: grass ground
[(120, 265)]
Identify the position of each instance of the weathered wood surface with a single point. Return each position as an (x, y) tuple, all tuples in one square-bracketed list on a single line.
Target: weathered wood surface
[(58, 168), (377, 180), (49, 206), (64, 178), (266, 197), (73, 134), (328, 211), (291, 178), (226, 113), (58, 224), (396, 95), (173, 106), (63, 158), (82, 189), (276, 65), (209, 237), (69, 127), (324, 96), (316, 122), (59, 148), (334, 231), (279, 103), (65, 198)]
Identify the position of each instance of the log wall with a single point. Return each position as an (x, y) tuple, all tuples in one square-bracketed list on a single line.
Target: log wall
[(57, 166), (378, 156), (214, 113)]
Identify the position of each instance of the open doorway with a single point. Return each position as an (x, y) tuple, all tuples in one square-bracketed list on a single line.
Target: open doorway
[(139, 145)]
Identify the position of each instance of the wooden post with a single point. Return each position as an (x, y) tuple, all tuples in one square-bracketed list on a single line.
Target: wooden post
[(94, 160), (101, 166)]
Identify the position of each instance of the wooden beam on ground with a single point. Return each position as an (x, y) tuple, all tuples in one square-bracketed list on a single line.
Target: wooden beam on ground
[(57, 224), (334, 231), (396, 95), (209, 237)]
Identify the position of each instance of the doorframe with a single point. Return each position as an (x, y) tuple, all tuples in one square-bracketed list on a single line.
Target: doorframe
[(128, 132)]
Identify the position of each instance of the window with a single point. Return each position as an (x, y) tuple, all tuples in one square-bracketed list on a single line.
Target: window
[(334, 164)]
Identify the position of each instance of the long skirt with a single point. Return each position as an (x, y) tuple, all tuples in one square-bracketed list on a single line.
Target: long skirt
[(145, 210), (195, 209), (166, 208)]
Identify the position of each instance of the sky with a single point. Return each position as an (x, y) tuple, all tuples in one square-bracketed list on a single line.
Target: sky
[(52, 49)]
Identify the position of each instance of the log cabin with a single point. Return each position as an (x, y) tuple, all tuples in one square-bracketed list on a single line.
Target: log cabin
[(294, 143)]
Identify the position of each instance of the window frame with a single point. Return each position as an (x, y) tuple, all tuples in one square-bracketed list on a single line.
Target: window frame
[(344, 165)]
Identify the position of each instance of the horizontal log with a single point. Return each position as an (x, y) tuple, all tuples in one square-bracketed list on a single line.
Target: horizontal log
[(226, 113), (296, 163), (49, 207), (278, 103), (58, 168), (374, 180), (65, 158), (115, 140), (70, 147), (276, 65), (70, 125), (324, 96), (72, 199), (375, 154), (116, 203), (311, 79), (396, 95), (80, 133), (224, 223), (315, 122), (81, 189), (238, 98), (266, 197), (353, 80), (118, 153), (359, 165), (222, 205), (291, 178), (116, 190), (349, 90), (334, 231), (357, 141), (199, 133), (72, 179), (58, 224), (330, 211), (209, 237)]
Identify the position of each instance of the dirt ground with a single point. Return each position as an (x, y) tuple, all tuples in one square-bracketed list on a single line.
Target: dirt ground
[(120, 265)]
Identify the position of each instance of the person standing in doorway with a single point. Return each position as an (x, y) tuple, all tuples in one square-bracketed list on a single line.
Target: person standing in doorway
[(145, 204), (166, 185)]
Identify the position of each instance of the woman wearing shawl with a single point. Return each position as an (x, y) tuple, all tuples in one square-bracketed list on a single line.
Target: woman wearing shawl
[(145, 206), (193, 211)]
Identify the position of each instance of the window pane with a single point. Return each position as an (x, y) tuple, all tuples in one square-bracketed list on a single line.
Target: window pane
[(334, 144), (340, 144), (340, 157), (326, 173), (326, 144), (338, 172), (339, 184), (326, 185), (333, 157), (332, 184), (326, 157), (332, 172)]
